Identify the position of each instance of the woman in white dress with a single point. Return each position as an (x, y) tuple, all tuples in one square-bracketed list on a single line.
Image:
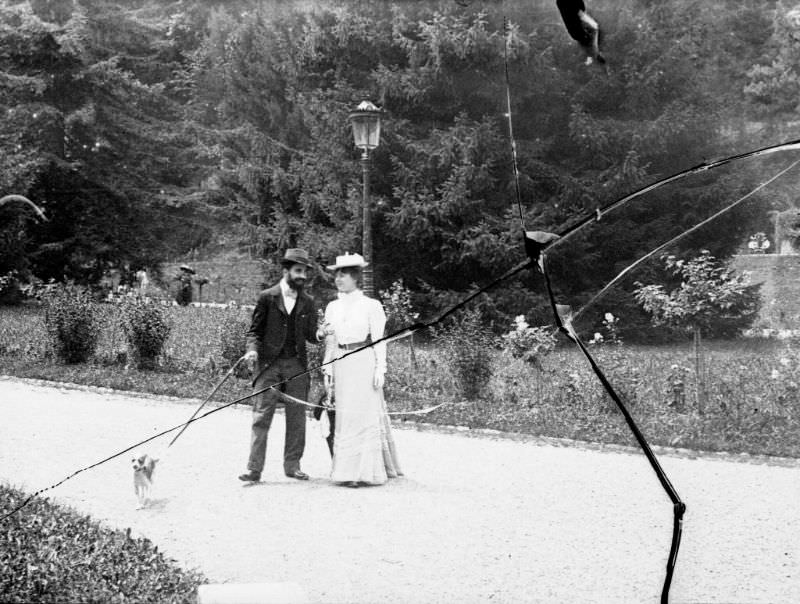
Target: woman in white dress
[(363, 450)]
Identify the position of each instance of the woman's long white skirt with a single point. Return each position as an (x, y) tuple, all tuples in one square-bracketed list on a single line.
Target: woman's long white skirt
[(363, 449)]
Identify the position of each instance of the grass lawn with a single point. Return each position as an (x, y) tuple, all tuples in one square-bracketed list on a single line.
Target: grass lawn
[(751, 403)]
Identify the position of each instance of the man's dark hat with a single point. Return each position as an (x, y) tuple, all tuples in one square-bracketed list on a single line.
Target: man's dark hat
[(296, 256), (187, 268)]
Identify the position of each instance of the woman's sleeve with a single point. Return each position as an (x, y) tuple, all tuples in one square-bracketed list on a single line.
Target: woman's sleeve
[(377, 325)]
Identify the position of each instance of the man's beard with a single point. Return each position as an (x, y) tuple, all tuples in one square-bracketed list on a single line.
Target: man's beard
[(296, 283)]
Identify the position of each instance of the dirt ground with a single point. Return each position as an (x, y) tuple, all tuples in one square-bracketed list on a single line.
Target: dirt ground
[(477, 518)]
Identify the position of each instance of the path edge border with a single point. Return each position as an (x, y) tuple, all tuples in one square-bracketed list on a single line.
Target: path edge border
[(489, 433)]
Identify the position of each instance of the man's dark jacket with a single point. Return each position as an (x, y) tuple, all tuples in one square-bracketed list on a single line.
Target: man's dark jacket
[(267, 332)]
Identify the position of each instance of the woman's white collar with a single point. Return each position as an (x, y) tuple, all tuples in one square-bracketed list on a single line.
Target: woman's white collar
[(356, 293)]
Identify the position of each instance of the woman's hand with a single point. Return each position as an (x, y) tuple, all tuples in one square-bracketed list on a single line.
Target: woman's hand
[(324, 331), (377, 380)]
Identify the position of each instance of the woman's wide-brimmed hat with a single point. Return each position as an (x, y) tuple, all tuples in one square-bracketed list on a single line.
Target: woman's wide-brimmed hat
[(296, 255), (348, 261), (187, 268)]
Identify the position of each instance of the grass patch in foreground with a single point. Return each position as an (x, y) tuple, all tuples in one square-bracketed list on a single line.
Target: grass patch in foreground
[(53, 554), (751, 404)]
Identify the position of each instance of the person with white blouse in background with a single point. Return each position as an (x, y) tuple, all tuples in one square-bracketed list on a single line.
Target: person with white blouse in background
[(364, 452)]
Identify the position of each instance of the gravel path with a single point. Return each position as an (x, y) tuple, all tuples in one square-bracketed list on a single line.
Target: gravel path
[(476, 519)]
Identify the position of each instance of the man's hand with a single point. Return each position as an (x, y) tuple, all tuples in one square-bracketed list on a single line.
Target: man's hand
[(251, 358)]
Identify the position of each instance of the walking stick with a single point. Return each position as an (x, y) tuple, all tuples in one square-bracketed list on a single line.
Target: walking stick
[(208, 398)]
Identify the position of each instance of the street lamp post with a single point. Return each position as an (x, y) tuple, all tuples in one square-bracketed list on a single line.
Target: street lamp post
[(366, 123)]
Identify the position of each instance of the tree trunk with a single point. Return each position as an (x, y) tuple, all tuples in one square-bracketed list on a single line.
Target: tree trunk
[(699, 373)]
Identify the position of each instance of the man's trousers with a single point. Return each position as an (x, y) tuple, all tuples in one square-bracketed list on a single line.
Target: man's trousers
[(264, 408)]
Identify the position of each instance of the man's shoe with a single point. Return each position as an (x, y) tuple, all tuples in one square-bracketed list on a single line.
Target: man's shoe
[(251, 476), (298, 474)]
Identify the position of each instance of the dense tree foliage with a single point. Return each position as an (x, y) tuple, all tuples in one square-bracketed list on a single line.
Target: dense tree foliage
[(153, 128), (94, 129)]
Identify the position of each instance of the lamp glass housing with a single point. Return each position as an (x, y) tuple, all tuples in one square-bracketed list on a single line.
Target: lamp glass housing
[(366, 123)]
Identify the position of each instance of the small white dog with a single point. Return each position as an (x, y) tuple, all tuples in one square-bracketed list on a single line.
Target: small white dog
[(143, 468)]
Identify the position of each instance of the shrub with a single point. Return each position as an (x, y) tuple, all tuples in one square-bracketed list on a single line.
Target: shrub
[(529, 343), (53, 554), (677, 386), (232, 340), (399, 309), (71, 321), (146, 329), (468, 347), (711, 298)]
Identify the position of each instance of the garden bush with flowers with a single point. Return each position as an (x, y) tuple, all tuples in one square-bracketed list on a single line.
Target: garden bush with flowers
[(529, 343), (609, 333)]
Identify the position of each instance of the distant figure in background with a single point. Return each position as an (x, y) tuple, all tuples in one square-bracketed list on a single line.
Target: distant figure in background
[(363, 448), (184, 278), (582, 28), (758, 243), (142, 281)]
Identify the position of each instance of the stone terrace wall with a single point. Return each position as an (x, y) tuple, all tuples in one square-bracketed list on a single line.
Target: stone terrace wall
[(780, 290), (241, 280), (238, 280)]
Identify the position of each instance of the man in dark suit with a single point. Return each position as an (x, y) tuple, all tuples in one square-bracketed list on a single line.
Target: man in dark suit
[(283, 320)]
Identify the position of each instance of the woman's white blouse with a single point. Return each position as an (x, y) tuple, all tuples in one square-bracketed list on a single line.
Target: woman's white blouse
[(354, 317)]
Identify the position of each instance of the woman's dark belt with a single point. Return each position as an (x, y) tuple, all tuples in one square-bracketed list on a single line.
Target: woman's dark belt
[(356, 345)]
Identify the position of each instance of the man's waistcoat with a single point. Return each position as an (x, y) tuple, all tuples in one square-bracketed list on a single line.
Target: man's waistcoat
[(270, 324)]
